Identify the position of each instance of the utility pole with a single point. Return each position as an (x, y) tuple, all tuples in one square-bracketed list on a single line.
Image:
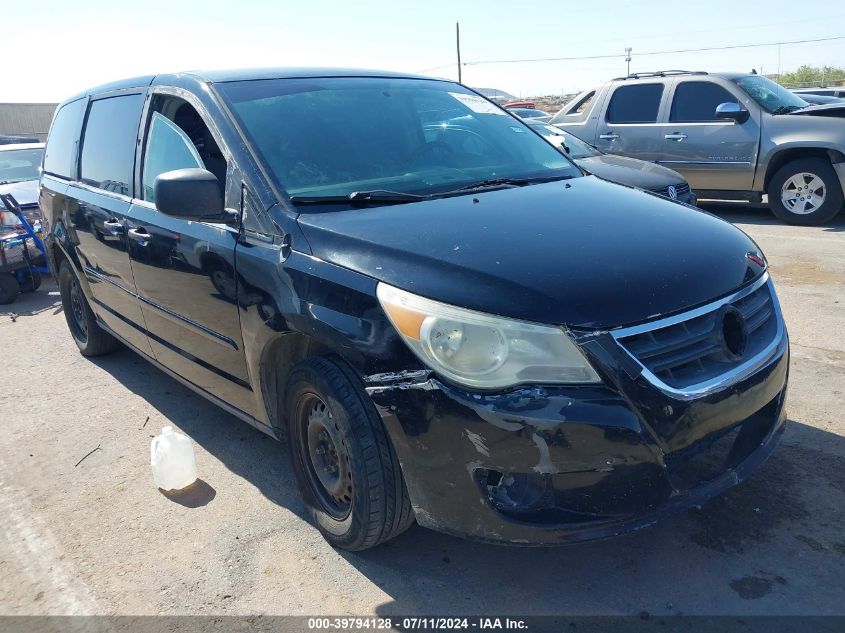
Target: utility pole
[(628, 59), (458, 42)]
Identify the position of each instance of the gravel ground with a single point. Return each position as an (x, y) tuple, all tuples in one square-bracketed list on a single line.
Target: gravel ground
[(98, 537)]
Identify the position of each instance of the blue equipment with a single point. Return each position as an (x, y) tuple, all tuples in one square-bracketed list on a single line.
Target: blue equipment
[(23, 257)]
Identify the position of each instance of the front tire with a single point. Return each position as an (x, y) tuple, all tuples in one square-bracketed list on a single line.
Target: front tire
[(9, 288), (90, 338), (805, 192), (345, 465)]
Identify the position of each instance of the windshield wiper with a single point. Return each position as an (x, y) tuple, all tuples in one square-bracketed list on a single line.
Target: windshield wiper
[(361, 198), (786, 109), (513, 182)]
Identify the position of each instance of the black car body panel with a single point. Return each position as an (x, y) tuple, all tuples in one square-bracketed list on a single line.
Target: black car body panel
[(630, 171), (580, 252), (229, 309)]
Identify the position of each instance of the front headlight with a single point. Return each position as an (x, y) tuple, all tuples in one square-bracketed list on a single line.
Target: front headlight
[(482, 350)]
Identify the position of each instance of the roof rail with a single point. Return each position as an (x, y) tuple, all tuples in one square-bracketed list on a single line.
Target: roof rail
[(662, 73)]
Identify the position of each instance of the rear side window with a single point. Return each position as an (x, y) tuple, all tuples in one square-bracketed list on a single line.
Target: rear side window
[(108, 144), (60, 155), (696, 101), (635, 104)]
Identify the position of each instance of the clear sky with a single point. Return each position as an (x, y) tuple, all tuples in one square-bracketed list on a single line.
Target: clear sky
[(54, 48)]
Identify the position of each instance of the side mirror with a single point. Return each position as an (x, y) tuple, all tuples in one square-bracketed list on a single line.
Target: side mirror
[(189, 193), (731, 111)]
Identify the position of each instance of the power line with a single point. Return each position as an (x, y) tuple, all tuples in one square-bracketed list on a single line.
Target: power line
[(645, 54)]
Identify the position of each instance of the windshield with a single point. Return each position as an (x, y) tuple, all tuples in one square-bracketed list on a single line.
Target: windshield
[(772, 97), (17, 165), (336, 136)]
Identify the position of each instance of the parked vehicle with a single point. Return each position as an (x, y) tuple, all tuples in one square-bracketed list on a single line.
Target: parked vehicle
[(832, 91), (20, 168), (814, 99), (620, 169), (530, 105), (531, 113), (6, 139), (476, 336), (731, 135)]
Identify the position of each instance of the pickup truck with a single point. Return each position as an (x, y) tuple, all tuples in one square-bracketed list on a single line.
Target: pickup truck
[(731, 135)]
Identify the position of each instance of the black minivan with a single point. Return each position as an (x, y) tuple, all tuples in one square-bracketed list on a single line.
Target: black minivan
[(447, 320)]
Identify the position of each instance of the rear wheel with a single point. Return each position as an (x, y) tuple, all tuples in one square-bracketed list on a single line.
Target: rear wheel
[(345, 465), (9, 288), (805, 192), (90, 338), (32, 281)]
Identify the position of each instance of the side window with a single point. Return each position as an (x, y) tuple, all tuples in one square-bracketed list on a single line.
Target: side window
[(178, 138), (583, 104), (60, 155), (696, 101), (168, 148), (108, 143), (635, 104)]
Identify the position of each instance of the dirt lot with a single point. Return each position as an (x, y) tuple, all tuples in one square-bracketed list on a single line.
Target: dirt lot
[(98, 537)]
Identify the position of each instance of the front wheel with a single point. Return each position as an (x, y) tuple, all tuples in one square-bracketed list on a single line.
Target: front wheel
[(9, 288), (90, 338), (805, 192), (345, 465)]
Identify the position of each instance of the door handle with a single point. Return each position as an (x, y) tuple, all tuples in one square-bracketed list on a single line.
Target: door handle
[(675, 137), (610, 137), (140, 236), (114, 227)]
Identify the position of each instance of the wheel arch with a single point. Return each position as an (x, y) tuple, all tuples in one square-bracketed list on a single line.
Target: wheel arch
[(278, 359), (789, 154)]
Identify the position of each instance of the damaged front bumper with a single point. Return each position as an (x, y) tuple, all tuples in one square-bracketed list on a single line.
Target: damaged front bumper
[(546, 465)]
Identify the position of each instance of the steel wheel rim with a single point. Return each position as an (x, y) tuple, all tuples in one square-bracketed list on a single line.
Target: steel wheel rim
[(77, 306), (803, 193), (325, 456)]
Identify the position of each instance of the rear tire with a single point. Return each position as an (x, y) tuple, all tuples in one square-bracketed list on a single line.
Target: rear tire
[(90, 338), (9, 288), (32, 282), (805, 192), (345, 465)]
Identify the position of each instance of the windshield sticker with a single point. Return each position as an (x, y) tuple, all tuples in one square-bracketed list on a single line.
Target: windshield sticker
[(477, 104)]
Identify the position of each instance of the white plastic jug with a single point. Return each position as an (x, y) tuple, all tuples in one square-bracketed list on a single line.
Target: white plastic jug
[(172, 459)]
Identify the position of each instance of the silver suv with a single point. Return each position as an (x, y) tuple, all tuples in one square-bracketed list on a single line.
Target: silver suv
[(731, 135)]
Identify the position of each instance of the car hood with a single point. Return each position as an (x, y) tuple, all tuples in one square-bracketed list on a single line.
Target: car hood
[(26, 192), (630, 171), (581, 252)]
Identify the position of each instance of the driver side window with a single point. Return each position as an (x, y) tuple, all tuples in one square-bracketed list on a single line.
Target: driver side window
[(168, 148), (178, 138)]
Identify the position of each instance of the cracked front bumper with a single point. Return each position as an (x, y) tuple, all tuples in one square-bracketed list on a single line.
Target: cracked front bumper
[(546, 465)]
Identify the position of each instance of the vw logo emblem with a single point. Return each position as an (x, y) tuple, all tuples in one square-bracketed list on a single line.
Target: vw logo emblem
[(733, 332), (673, 193)]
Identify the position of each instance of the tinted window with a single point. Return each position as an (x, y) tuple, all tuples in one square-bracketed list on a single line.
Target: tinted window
[(698, 100), (635, 104), (60, 154), (168, 148), (108, 145)]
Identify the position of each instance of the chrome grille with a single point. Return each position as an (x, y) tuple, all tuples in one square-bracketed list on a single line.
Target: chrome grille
[(691, 351)]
